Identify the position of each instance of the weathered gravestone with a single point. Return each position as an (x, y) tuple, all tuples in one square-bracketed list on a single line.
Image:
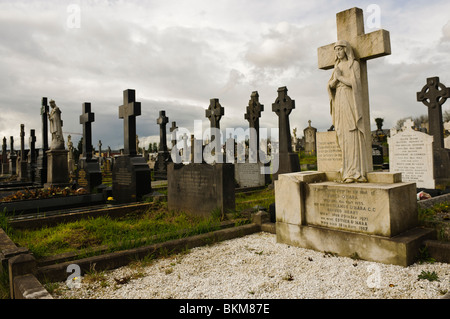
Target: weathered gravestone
[(433, 95), (41, 174), (376, 220), (309, 134), (32, 156), (288, 161), (22, 165), (213, 149), (57, 155), (198, 187), (163, 157), (201, 188), (5, 164), (131, 175), (411, 154), (12, 157), (377, 155), (250, 173), (89, 175)]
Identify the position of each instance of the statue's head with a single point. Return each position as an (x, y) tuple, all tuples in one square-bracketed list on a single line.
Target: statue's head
[(343, 49), (52, 103)]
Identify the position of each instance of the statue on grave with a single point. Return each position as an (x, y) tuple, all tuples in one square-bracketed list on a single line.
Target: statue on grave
[(345, 93), (54, 117)]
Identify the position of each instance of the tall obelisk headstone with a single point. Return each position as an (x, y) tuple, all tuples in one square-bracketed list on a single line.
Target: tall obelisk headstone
[(12, 157), (5, 164), (32, 156), (22, 165), (131, 173)]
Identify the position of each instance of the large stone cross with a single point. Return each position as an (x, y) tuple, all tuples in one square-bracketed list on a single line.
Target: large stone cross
[(253, 114), (86, 119), (162, 121), (366, 46), (283, 106), (433, 95), (214, 113), (128, 112)]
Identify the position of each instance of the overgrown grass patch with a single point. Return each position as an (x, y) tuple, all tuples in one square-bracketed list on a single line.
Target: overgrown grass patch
[(262, 198), (157, 224)]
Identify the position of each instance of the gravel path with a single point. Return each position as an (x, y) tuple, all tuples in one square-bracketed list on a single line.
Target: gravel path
[(256, 266)]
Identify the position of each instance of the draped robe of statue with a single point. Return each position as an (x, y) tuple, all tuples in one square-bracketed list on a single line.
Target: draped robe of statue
[(345, 96)]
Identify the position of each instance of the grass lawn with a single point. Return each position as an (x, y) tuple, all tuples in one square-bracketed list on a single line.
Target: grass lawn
[(129, 231)]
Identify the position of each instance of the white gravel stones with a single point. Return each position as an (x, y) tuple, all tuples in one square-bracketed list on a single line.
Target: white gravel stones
[(256, 266)]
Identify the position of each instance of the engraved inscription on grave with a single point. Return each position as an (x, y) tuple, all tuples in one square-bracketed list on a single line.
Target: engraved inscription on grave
[(329, 155), (343, 209), (411, 153), (123, 177), (82, 181), (196, 183), (351, 209)]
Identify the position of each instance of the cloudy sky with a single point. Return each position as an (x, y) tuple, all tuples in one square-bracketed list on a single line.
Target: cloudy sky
[(178, 55)]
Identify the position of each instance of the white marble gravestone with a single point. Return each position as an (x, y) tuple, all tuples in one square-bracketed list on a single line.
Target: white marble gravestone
[(411, 153)]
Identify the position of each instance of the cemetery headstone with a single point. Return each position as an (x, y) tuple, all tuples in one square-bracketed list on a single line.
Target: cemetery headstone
[(57, 155), (163, 158), (70, 158), (250, 172), (12, 157), (32, 156), (376, 220), (433, 95), (131, 175), (5, 164), (41, 176), (377, 155), (22, 165), (310, 139), (201, 188), (89, 175), (214, 113), (411, 154), (288, 161), (252, 115)]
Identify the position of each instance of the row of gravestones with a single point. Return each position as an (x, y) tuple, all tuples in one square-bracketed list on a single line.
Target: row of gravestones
[(131, 174)]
